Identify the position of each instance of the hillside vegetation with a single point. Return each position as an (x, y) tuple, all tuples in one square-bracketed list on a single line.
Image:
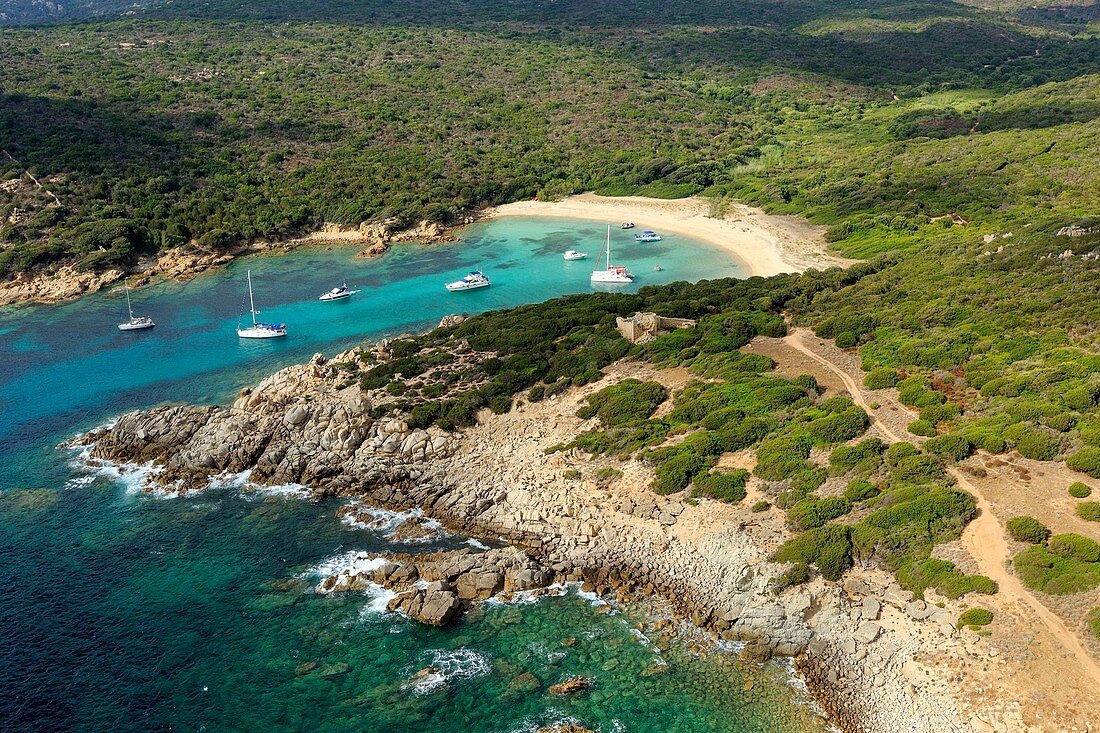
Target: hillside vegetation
[(213, 124)]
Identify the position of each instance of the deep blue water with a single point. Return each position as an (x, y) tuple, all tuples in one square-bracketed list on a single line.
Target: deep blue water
[(125, 612)]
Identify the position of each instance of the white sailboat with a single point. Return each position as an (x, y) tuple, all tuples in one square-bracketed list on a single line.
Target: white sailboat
[(612, 273), (572, 255), (136, 323), (258, 330)]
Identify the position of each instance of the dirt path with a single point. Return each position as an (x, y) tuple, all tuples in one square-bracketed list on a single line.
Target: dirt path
[(983, 538)]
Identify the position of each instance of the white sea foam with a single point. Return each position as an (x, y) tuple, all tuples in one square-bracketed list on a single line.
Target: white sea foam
[(386, 521), (476, 544), (346, 564), (551, 718), (451, 664)]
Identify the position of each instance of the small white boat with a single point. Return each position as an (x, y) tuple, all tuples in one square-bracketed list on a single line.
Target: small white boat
[(258, 329), (648, 236), (612, 273), (626, 225), (474, 280), (136, 323), (338, 293), (573, 254)]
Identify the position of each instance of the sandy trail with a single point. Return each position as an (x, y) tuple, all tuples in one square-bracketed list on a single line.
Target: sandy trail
[(983, 538), (761, 243)]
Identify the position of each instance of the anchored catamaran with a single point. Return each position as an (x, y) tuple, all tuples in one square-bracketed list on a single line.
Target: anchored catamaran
[(612, 273)]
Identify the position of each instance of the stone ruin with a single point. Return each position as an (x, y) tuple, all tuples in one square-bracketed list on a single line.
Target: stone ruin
[(641, 328)]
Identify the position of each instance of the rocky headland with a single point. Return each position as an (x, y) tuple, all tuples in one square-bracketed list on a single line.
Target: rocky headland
[(874, 657)]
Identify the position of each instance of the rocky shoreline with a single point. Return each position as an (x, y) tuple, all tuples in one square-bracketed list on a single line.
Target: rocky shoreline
[(308, 424), (183, 263)]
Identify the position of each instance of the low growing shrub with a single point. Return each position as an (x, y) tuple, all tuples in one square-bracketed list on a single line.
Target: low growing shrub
[(723, 485), (828, 547), (1079, 490), (923, 428), (1086, 460), (952, 445), (860, 490), (1027, 529), (881, 378), (1089, 511), (813, 513), (975, 618)]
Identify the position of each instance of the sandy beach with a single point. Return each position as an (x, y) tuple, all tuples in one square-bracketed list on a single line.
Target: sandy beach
[(763, 244)]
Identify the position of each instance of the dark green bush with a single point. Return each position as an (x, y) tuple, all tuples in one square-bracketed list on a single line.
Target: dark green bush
[(860, 490), (899, 451), (942, 575), (1086, 460), (796, 574), (1043, 570), (1032, 442), (1079, 490), (675, 473), (778, 458), (813, 513), (952, 445), (629, 401), (975, 618), (838, 427), (881, 378), (1092, 621), (722, 484), (1073, 546), (923, 428), (828, 547), (1027, 529), (847, 457), (1089, 511), (761, 506)]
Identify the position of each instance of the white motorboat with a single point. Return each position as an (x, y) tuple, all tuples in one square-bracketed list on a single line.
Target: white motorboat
[(573, 254), (474, 280), (612, 273), (338, 293), (136, 323), (626, 225), (258, 329), (648, 236)]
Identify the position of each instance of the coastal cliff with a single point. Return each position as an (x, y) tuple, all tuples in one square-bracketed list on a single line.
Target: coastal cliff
[(310, 424)]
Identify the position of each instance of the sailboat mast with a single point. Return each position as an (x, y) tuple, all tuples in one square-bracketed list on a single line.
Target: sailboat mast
[(251, 302), (609, 246), (127, 288)]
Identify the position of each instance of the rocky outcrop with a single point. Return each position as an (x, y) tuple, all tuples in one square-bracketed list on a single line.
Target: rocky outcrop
[(61, 284), (571, 686)]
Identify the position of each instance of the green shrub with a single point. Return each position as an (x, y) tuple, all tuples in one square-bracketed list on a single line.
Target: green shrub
[(939, 413), (860, 490), (1080, 398), (1092, 621), (993, 443), (1086, 460), (675, 472), (629, 401), (838, 427), (881, 378), (1033, 443), (761, 506), (1079, 490), (921, 468), (952, 445), (1046, 571), (930, 572), (828, 547), (1089, 511), (813, 513), (571, 474), (796, 574), (608, 473), (723, 485), (847, 457), (536, 393), (1073, 546), (1027, 529), (899, 451), (923, 428), (778, 458), (974, 618), (1063, 423)]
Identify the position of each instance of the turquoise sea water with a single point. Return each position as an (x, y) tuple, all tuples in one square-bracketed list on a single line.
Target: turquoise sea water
[(124, 612)]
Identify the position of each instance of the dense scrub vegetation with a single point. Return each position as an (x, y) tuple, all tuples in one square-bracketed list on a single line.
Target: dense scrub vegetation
[(213, 124)]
